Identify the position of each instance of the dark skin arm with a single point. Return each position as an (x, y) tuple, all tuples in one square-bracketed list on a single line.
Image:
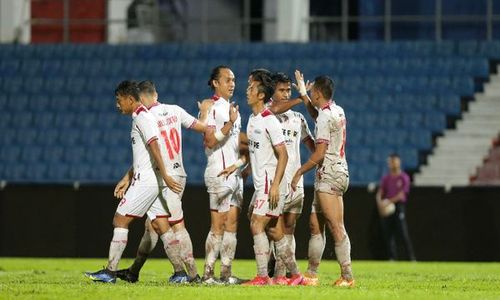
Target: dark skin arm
[(283, 106), (154, 150), (316, 159)]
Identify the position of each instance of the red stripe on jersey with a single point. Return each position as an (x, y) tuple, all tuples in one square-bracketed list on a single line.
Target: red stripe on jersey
[(151, 140), (175, 222), (279, 144), (140, 109), (322, 141), (327, 105), (272, 216), (154, 104), (215, 97), (194, 123), (223, 160), (306, 138), (266, 113), (133, 216), (265, 186)]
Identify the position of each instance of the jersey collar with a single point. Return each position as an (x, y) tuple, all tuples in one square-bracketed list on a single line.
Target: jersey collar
[(154, 104)]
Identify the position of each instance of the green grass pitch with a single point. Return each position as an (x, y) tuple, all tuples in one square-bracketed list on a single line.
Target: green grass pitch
[(32, 278)]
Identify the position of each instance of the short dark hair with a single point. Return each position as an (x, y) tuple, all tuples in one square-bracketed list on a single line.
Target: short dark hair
[(394, 155), (128, 88), (147, 87), (215, 75), (255, 72), (266, 85), (280, 77), (325, 85)]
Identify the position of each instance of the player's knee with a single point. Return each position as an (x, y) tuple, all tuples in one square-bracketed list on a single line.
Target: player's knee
[(338, 232)]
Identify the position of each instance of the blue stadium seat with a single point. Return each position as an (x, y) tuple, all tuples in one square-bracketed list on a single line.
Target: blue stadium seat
[(92, 137), (355, 137), (12, 85), (96, 154), (27, 136), (66, 120), (48, 136), (79, 171), (53, 154), (412, 121), (435, 121), (8, 136), (31, 67), (449, 104), (18, 103), (10, 153), (9, 67), (74, 154), (21, 120), (58, 172), (409, 157), (76, 85), (359, 154), (70, 137), (101, 172), (43, 120), (421, 139), (5, 119), (31, 154), (38, 171), (381, 153), (50, 68)]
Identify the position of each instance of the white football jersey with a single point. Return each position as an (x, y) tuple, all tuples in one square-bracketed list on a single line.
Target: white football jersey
[(331, 129), (295, 130), (170, 118), (226, 152), (144, 131), (264, 132)]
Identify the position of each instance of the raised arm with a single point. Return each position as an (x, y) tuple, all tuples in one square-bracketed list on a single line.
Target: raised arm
[(283, 106), (303, 88), (204, 106)]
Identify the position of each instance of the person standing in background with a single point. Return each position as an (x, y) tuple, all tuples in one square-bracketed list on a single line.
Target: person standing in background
[(391, 201)]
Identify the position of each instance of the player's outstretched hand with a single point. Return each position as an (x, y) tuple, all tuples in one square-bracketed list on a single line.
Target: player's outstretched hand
[(274, 196), (294, 182), (300, 86), (205, 105), (228, 171), (233, 112), (121, 188), (173, 185)]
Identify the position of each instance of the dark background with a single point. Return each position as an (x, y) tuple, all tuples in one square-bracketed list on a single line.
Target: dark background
[(60, 221)]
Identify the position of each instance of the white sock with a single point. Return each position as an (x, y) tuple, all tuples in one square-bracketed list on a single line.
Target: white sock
[(186, 251), (172, 249), (227, 251), (343, 253), (315, 252), (118, 244), (148, 243), (261, 249), (212, 249), (284, 251)]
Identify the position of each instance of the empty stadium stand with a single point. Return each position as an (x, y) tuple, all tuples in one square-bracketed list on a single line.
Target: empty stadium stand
[(59, 122)]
